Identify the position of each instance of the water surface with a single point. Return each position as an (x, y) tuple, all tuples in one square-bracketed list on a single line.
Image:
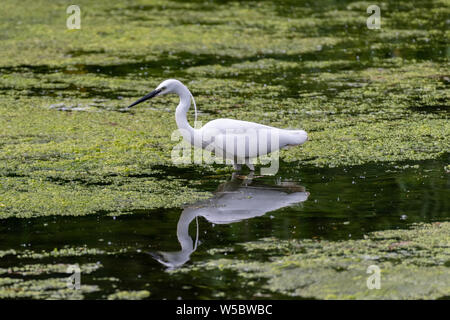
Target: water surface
[(298, 203)]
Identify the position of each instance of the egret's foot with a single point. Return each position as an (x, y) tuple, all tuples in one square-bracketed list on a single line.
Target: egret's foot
[(237, 176), (248, 179)]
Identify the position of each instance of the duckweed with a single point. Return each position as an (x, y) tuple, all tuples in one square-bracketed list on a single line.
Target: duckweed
[(362, 95), (413, 264)]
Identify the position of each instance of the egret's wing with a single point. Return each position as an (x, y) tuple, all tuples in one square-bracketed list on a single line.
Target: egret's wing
[(243, 139), (240, 143), (232, 124)]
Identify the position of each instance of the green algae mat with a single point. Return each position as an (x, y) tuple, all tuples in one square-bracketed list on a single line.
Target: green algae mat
[(83, 183)]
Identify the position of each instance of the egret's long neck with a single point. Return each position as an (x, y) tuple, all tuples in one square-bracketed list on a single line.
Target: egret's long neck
[(187, 245), (183, 108)]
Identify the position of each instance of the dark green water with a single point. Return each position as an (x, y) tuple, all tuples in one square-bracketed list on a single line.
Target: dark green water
[(342, 203)]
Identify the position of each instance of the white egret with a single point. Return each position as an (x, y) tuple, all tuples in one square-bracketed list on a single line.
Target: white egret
[(240, 141)]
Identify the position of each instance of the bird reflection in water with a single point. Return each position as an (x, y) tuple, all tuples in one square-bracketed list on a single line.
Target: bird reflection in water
[(235, 200)]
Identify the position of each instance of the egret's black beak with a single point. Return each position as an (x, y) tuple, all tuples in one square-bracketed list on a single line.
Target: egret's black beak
[(146, 97)]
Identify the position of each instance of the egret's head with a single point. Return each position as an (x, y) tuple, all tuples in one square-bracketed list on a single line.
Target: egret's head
[(165, 87)]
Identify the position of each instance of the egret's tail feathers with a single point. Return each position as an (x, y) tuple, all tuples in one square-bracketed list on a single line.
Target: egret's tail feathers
[(297, 137)]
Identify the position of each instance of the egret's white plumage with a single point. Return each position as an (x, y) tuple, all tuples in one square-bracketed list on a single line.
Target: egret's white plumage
[(238, 140)]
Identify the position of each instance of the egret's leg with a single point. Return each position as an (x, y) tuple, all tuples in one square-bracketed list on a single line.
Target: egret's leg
[(250, 165), (248, 180)]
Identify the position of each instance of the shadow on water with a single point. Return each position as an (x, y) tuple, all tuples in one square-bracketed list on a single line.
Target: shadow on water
[(336, 204), (442, 107), (354, 50), (347, 56), (300, 9)]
